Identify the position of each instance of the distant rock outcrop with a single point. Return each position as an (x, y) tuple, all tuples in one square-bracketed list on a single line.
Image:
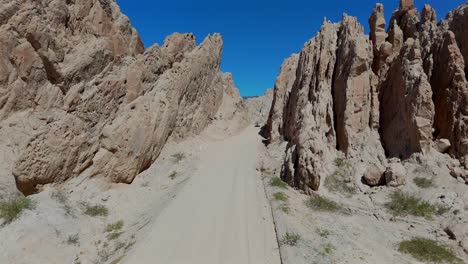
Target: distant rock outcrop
[(92, 97), (259, 107), (388, 95)]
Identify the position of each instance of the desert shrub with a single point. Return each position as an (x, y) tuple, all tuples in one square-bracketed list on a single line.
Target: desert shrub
[(323, 204), (95, 210), (12, 209), (403, 204), (178, 157), (173, 175), (73, 239), (277, 182), (280, 196), (426, 250), (328, 249), (323, 233), (290, 239), (285, 208), (113, 230), (423, 182), (115, 226), (114, 235), (341, 163)]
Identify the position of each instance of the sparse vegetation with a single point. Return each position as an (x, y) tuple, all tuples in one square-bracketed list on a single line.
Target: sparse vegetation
[(337, 181), (423, 182), (323, 204), (62, 199), (328, 249), (117, 226), (266, 172), (341, 163), (11, 210), (103, 255), (59, 196), (290, 239), (323, 233), (280, 196), (73, 239), (114, 230), (403, 204), (173, 175), (285, 208), (114, 235), (95, 210), (277, 182), (178, 157), (426, 250)]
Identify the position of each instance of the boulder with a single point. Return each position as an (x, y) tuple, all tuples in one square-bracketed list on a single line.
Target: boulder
[(442, 145), (395, 175), (374, 176)]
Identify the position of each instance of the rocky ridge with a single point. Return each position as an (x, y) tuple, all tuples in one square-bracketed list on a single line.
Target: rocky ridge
[(80, 93), (377, 100)]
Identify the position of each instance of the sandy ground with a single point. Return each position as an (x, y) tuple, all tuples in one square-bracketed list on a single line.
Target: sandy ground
[(220, 216), (367, 233)]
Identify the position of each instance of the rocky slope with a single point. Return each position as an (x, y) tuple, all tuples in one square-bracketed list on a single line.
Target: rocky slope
[(80, 93), (259, 107), (375, 99)]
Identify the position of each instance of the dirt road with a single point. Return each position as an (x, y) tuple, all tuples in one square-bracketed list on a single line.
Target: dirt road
[(220, 217)]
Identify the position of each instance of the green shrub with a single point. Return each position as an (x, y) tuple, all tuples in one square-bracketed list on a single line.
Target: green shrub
[(73, 239), (403, 204), (280, 196), (290, 239), (426, 250), (114, 235), (115, 226), (423, 182), (11, 210), (328, 249), (95, 210), (323, 204), (277, 182)]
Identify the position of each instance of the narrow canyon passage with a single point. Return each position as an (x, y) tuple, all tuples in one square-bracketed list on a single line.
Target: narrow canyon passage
[(220, 217)]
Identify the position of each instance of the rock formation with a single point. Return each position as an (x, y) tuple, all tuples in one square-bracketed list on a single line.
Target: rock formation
[(388, 95), (281, 92), (97, 101), (259, 107)]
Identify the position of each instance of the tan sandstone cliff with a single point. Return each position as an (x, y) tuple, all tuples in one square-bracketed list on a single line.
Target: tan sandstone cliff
[(373, 98), (79, 92)]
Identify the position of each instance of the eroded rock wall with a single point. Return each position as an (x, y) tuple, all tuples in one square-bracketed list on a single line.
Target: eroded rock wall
[(98, 100), (390, 95)]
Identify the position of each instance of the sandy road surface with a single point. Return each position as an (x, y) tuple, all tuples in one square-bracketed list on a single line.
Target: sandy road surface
[(220, 217)]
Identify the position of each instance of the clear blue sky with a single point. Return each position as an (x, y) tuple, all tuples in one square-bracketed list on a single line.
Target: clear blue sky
[(258, 34)]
